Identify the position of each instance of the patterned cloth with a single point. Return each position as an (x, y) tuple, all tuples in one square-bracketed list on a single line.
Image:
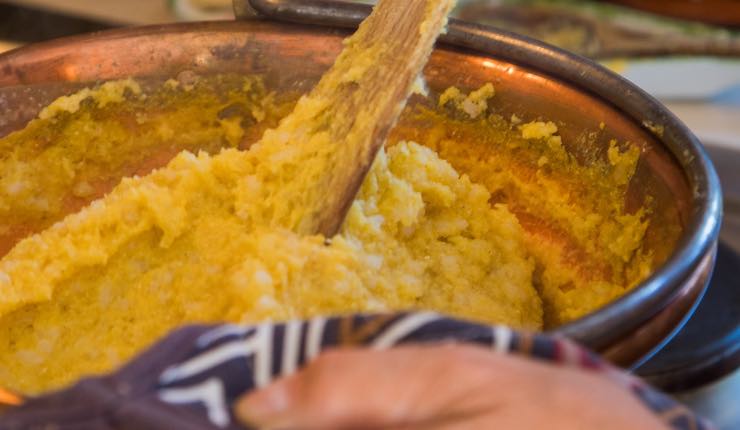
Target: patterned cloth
[(191, 378)]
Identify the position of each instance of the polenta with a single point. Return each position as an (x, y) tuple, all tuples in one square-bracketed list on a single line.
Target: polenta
[(195, 241)]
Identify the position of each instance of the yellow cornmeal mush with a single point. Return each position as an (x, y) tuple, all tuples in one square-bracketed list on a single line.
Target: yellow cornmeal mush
[(190, 242), (475, 220), (218, 237)]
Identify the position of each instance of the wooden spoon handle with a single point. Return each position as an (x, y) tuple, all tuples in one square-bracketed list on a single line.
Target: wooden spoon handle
[(357, 102)]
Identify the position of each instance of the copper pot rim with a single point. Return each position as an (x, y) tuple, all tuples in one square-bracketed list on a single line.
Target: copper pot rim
[(611, 322)]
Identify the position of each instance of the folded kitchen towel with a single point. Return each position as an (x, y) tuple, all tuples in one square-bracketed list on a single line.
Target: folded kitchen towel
[(191, 378)]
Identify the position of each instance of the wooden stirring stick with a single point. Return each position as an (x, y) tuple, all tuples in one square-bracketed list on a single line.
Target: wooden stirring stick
[(359, 99)]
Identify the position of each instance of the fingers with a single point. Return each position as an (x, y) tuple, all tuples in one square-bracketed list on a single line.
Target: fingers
[(372, 389), (441, 387)]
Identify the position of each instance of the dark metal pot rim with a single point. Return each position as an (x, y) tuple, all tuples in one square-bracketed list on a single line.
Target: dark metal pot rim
[(606, 325)]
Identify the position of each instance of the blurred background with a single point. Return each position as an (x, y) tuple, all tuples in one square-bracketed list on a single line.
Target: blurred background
[(684, 52)]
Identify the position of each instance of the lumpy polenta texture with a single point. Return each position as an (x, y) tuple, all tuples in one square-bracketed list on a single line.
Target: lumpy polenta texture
[(482, 219), (81, 145), (587, 246), (187, 243)]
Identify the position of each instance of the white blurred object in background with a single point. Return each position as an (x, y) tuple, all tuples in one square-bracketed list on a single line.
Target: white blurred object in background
[(703, 91), (201, 10)]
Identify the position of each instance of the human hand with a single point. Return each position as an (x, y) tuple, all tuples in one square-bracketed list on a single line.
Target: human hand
[(442, 387)]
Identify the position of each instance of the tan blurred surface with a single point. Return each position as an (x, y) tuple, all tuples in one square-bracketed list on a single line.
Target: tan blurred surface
[(112, 11), (5, 46)]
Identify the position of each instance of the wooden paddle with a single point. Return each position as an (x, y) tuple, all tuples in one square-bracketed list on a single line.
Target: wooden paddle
[(360, 99)]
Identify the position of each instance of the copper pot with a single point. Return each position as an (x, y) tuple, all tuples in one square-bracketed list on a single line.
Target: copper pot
[(532, 79)]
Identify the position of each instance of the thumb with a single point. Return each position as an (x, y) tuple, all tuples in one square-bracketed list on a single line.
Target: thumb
[(349, 388)]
